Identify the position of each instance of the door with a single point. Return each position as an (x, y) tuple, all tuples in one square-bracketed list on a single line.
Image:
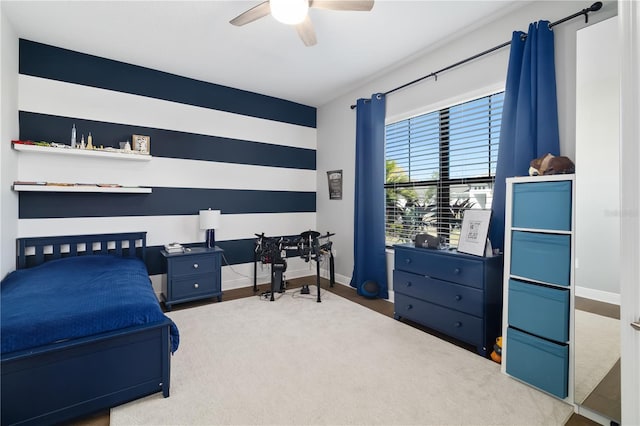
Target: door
[(629, 19)]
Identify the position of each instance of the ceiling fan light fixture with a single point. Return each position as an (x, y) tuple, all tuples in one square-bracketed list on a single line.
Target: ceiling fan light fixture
[(291, 12)]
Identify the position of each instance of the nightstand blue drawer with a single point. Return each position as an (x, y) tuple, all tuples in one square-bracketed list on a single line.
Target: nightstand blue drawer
[(542, 205), (196, 264), (541, 257), (465, 327), (458, 297), (193, 286), (457, 268), (538, 362), (539, 310)]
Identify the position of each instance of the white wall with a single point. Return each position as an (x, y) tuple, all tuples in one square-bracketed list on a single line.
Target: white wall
[(8, 131), (336, 122), (597, 162)]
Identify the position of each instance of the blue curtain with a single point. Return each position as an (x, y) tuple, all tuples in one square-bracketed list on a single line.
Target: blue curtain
[(529, 115), (369, 240)]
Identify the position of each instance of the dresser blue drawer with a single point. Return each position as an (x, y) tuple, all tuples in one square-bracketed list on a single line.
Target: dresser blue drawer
[(541, 257), (542, 205), (539, 310), (538, 362), (465, 327), (444, 293), (458, 268), (196, 264)]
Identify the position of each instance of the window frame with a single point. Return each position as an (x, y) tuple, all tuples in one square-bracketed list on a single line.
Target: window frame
[(444, 182)]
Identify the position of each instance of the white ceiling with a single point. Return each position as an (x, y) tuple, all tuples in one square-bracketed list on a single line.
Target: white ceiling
[(194, 39)]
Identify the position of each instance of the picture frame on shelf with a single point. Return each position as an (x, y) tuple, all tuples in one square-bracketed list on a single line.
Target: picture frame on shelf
[(141, 144), (474, 231)]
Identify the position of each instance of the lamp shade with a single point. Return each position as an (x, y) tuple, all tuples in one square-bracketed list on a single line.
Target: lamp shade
[(210, 219)]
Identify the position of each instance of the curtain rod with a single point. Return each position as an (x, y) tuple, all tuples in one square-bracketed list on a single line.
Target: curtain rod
[(593, 8)]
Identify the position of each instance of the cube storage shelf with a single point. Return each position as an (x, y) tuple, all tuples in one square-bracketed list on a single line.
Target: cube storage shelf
[(538, 325)]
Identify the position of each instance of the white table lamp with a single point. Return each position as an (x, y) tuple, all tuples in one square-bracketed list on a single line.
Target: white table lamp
[(210, 221)]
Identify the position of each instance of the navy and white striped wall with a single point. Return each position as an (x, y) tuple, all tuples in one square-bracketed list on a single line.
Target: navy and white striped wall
[(249, 155)]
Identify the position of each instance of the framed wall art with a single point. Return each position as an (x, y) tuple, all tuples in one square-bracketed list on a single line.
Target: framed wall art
[(335, 184)]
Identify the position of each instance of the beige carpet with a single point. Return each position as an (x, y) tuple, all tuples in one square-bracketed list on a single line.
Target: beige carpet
[(295, 361), (597, 350)]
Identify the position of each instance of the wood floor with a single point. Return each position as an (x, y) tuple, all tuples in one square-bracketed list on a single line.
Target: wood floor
[(605, 398), (602, 396)]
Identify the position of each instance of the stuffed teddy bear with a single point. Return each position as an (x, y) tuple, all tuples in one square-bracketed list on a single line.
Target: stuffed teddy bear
[(551, 165)]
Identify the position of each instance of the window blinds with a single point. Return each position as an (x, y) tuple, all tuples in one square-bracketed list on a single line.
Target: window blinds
[(438, 165)]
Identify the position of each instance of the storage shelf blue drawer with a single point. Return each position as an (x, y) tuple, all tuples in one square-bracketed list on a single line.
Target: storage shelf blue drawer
[(539, 310), (542, 205), (538, 362), (541, 257)]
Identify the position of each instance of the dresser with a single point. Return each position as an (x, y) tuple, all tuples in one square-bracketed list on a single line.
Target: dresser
[(538, 282), (192, 275), (456, 294)]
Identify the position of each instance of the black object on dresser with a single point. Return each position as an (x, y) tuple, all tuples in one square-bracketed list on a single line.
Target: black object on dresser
[(457, 294), (192, 275)]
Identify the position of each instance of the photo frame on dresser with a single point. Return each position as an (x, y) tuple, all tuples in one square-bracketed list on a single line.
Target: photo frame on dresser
[(474, 231)]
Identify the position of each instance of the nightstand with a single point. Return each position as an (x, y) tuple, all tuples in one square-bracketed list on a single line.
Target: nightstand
[(192, 275)]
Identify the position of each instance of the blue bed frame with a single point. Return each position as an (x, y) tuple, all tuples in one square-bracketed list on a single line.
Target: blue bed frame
[(63, 381)]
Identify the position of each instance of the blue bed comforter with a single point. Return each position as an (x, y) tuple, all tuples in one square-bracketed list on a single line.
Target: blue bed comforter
[(76, 297)]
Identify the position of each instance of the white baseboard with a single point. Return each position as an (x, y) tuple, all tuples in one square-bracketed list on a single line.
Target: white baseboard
[(599, 295), (246, 281), (592, 415), (230, 284), (346, 281)]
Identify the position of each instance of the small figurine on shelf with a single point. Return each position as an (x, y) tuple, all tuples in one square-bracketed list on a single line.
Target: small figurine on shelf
[(89, 141), (73, 136), (82, 142)]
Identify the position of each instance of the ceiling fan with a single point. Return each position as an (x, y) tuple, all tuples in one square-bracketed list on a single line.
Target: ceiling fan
[(295, 12)]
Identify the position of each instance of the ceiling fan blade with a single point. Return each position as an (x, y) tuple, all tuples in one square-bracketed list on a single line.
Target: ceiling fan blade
[(256, 12), (306, 32), (357, 5)]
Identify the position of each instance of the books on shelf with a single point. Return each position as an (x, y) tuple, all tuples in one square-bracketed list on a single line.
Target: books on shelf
[(173, 248), (101, 185)]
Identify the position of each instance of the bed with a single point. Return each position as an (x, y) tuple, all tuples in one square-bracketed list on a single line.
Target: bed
[(82, 329)]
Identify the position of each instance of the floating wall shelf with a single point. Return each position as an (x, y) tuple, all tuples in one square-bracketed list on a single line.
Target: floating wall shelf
[(97, 153), (81, 188)]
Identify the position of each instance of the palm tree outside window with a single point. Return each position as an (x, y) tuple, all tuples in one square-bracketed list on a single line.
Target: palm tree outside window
[(438, 165)]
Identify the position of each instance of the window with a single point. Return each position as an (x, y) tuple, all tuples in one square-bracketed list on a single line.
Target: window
[(438, 165)]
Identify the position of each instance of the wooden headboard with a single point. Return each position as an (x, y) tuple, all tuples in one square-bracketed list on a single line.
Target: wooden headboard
[(34, 251)]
